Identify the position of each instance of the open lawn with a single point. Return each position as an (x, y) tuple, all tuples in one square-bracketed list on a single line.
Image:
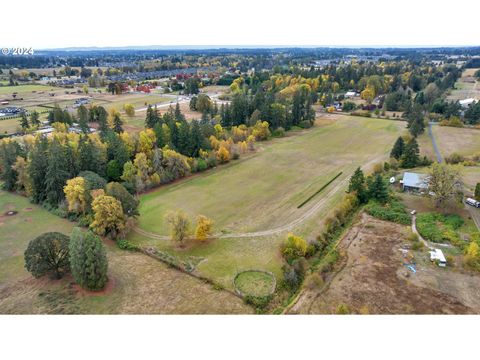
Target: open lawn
[(464, 141), (466, 87), (137, 283), (23, 89), (253, 201)]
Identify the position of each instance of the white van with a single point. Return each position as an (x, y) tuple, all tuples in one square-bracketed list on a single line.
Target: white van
[(473, 202)]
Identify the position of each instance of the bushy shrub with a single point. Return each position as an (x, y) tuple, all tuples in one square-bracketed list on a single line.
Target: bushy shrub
[(439, 228), (258, 302), (279, 132), (201, 165), (342, 309), (314, 281), (305, 124), (124, 244), (294, 247), (393, 211), (454, 158)]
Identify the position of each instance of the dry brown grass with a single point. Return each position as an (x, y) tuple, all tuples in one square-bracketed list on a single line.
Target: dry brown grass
[(373, 278)]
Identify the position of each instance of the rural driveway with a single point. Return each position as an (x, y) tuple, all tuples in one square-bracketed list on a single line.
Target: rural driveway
[(475, 214), (434, 143)]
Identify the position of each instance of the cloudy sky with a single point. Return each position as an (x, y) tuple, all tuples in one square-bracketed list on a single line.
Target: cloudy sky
[(60, 23)]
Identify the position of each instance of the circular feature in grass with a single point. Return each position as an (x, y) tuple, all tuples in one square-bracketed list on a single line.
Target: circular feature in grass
[(256, 283)]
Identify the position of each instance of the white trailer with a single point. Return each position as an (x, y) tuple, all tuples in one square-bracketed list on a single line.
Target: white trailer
[(437, 255), (473, 202)]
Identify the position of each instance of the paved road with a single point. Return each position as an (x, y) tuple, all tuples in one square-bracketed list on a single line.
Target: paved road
[(475, 214), (434, 143)]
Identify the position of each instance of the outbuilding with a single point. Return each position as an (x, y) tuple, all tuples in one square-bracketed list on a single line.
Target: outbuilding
[(437, 256), (414, 182)]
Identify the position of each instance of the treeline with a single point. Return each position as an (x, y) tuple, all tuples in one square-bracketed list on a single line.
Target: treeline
[(281, 101)]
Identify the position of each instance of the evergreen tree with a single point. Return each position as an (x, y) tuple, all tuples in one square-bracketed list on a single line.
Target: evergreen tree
[(88, 260), (160, 135), (183, 144), (410, 156), (24, 121), (357, 184), (82, 114), (416, 124), (196, 138), (151, 118), (101, 118), (377, 189), (117, 124), (37, 169), (34, 118), (477, 191), (9, 150), (57, 174), (178, 113), (398, 148)]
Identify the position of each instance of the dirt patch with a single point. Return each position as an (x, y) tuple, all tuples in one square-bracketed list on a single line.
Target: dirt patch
[(84, 292), (373, 279)]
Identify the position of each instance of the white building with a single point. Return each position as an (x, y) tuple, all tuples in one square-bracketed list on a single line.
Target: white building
[(465, 103), (437, 255)]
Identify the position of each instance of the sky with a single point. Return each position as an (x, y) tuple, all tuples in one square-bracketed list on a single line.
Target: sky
[(399, 23)]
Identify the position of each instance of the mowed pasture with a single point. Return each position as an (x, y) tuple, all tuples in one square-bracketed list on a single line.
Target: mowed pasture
[(137, 284), (466, 87), (464, 141), (261, 193)]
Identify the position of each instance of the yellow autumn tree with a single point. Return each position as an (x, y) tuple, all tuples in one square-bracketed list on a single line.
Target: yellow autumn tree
[(129, 109), (23, 178), (243, 147), (223, 155), (368, 94), (294, 247), (204, 228), (214, 142), (146, 141), (75, 194), (108, 217), (260, 130)]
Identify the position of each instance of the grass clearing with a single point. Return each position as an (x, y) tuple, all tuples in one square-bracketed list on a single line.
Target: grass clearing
[(262, 192), (464, 141), (255, 283), (137, 284)]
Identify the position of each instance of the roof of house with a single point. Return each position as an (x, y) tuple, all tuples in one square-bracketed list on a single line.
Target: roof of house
[(415, 180), (467, 101)]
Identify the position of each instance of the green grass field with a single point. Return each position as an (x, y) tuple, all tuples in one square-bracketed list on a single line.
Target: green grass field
[(138, 284), (262, 192), (464, 141), (23, 89)]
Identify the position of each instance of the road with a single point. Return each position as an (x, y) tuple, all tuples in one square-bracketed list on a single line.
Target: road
[(475, 214), (434, 143)]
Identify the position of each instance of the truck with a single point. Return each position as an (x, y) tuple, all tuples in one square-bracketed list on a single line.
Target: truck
[(473, 202)]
